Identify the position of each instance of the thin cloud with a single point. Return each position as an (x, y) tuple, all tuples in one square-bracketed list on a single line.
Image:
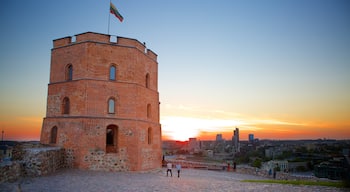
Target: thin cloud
[(272, 122), (199, 124)]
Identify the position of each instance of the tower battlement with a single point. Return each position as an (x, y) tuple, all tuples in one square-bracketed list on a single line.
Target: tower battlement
[(105, 39)]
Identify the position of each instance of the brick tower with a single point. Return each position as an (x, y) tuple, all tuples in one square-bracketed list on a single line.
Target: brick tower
[(103, 103)]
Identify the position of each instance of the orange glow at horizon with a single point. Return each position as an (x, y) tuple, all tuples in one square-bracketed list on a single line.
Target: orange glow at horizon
[(22, 128), (269, 133), (262, 129)]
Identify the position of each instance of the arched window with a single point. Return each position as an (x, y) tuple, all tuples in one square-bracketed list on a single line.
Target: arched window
[(65, 105), (147, 80), (111, 138), (148, 110), (111, 105), (110, 135), (53, 135), (149, 135), (112, 73), (69, 72)]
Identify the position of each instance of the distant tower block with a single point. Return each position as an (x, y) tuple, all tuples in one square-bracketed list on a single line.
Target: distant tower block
[(251, 138), (219, 137), (103, 103), (235, 140)]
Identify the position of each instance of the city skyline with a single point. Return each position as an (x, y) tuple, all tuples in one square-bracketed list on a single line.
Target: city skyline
[(275, 69)]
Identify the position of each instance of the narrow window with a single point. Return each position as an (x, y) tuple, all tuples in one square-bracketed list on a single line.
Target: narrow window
[(148, 110), (149, 135), (65, 105), (147, 80), (53, 135), (111, 105), (112, 72), (111, 139), (110, 136), (69, 72)]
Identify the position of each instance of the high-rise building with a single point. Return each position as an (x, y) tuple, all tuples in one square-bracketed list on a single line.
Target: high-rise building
[(251, 138), (103, 103), (219, 137), (235, 140)]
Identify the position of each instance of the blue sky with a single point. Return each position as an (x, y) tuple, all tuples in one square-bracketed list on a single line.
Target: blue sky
[(237, 61)]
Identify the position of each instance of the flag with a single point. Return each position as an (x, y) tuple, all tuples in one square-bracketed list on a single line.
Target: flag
[(115, 12)]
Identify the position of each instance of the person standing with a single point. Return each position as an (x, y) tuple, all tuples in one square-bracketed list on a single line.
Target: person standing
[(274, 172), (169, 167), (178, 167)]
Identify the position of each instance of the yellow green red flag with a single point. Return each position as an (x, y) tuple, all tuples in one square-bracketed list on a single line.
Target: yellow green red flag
[(115, 12)]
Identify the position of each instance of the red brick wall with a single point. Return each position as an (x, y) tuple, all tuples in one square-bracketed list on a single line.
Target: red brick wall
[(83, 130)]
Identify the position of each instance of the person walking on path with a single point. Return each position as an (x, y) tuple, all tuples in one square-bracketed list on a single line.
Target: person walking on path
[(169, 167), (178, 167)]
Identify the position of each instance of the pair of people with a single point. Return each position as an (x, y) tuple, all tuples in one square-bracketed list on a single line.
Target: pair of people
[(169, 169)]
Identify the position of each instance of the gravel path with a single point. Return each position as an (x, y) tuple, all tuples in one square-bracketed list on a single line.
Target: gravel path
[(191, 180)]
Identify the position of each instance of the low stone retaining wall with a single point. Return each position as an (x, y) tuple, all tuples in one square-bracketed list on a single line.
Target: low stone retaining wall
[(279, 175), (239, 169), (10, 171), (197, 165), (37, 161), (41, 161)]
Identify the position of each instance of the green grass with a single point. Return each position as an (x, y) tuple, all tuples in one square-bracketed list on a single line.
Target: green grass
[(301, 182)]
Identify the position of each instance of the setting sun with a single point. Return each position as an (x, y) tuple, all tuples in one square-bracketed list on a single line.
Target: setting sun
[(178, 128), (182, 128)]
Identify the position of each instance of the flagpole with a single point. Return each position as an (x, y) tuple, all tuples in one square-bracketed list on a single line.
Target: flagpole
[(109, 15)]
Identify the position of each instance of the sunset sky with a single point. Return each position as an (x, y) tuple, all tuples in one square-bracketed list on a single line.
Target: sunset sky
[(279, 69)]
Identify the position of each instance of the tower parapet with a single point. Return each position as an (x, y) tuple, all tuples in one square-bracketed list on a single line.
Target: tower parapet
[(103, 38)]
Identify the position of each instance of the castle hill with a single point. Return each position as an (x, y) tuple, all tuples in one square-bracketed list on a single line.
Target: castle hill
[(103, 115), (189, 96)]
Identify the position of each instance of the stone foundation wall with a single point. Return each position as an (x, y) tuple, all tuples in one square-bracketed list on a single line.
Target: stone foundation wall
[(98, 160)]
